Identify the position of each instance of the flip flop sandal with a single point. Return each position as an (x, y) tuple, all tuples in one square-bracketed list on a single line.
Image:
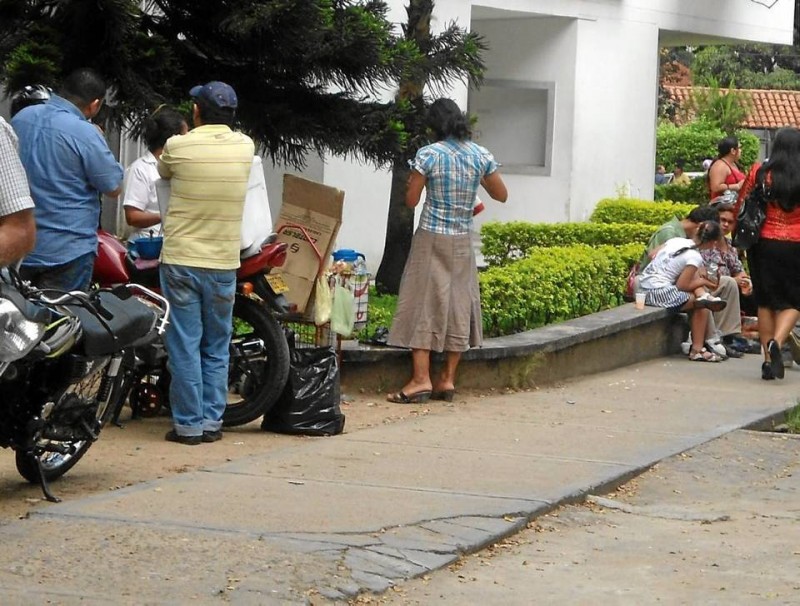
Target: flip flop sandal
[(446, 395), (414, 398), (704, 356)]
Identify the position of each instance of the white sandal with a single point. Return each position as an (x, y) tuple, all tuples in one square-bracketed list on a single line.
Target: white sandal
[(704, 356)]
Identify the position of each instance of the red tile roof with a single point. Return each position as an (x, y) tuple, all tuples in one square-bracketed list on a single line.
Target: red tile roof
[(769, 109)]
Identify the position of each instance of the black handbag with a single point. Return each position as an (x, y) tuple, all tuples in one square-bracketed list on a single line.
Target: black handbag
[(751, 216)]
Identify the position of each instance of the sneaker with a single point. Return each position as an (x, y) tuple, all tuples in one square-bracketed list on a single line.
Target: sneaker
[(732, 352), (738, 343), (186, 440), (717, 347), (212, 436), (794, 346)]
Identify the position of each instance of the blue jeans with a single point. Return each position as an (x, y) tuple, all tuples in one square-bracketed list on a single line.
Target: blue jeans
[(198, 340), (73, 275)]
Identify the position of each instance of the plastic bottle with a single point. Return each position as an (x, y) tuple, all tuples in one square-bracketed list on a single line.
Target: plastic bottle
[(360, 266)]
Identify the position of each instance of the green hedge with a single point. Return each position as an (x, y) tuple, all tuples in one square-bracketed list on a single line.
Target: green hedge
[(503, 243), (554, 284), (629, 210), (697, 141), (694, 193)]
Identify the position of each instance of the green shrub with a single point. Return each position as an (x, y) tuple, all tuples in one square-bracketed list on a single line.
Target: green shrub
[(697, 141), (554, 284), (695, 193), (505, 242), (551, 285), (380, 310), (629, 210)]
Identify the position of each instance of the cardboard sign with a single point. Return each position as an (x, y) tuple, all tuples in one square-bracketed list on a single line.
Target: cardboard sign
[(318, 209)]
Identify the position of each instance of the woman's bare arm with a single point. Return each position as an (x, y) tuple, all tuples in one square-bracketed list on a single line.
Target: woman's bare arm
[(414, 187), (495, 187)]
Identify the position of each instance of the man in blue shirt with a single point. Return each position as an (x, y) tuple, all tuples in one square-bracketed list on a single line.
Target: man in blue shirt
[(69, 165)]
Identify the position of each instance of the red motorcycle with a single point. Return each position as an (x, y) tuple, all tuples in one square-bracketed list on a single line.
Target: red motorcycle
[(259, 353)]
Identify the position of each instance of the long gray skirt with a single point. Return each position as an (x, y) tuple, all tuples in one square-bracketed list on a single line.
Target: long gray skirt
[(439, 306)]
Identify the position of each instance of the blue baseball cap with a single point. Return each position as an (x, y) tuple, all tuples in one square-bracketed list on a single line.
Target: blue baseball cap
[(218, 93)]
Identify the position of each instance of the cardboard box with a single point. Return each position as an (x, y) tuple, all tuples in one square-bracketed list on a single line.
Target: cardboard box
[(318, 209)]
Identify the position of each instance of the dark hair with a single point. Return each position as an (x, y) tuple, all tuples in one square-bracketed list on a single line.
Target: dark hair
[(725, 206), (680, 163), (160, 126), (83, 86), (211, 113), (703, 213), (447, 121), (784, 169), (726, 145), (708, 231)]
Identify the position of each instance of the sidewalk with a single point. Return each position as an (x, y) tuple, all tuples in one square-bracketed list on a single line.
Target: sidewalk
[(362, 511)]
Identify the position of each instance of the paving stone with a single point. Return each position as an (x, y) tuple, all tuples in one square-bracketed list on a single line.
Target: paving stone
[(495, 526), (382, 564), (419, 538), (372, 582), (426, 559), (466, 539)]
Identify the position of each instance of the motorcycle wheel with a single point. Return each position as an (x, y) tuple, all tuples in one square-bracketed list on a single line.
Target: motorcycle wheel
[(56, 464), (259, 363)]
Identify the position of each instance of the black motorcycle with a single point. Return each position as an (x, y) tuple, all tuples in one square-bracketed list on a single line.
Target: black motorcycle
[(60, 359)]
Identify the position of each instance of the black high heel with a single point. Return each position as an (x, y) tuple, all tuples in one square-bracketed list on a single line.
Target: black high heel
[(775, 358)]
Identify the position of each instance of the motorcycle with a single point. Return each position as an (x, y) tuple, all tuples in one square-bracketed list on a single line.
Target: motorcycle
[(259, 353), (60, 360)]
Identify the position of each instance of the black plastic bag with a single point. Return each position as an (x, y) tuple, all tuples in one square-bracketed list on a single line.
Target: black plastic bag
[(309, 404)]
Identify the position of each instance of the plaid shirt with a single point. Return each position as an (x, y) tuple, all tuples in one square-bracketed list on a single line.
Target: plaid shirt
[(15, 195), (453, 170)]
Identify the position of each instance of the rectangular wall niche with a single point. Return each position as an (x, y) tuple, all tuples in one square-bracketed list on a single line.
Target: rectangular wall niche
[(515, 123)]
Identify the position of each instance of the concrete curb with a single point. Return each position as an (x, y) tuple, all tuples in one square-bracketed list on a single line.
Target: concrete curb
[(606, 340)]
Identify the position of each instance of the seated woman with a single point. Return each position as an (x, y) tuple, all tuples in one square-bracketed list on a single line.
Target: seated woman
[(676, 279)]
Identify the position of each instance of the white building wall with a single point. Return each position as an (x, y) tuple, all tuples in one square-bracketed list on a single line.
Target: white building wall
[(737, 20), (613, 147), (535, 50), (603, 57)]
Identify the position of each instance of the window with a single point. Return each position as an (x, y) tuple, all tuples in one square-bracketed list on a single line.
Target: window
[(515, 122)]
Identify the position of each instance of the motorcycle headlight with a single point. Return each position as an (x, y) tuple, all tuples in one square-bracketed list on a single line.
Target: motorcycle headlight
[(19, 335)]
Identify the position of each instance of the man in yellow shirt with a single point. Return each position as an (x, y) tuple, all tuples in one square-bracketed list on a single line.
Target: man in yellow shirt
[(208, 168), (678, 176)]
